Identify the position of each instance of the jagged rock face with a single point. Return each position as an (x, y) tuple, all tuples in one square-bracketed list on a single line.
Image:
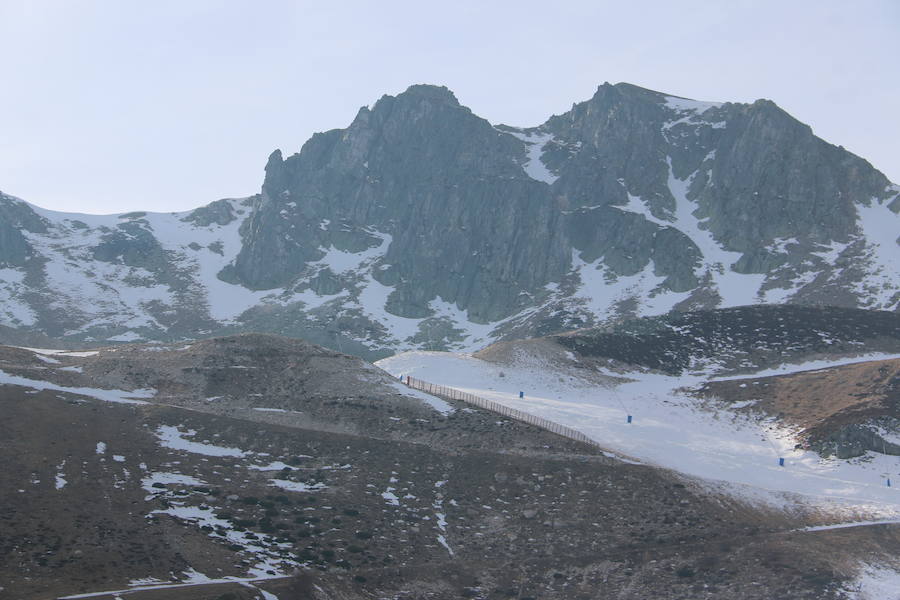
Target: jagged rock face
[(422, 225), (855, 440), (754, 174), (445, 188), (16, 217)]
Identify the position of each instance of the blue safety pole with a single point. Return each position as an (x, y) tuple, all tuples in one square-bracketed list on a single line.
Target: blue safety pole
[(780, 462), (629, 418)]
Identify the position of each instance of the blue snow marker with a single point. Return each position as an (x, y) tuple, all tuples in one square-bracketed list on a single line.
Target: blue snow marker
[(780, 462), (629, 418), (521, 394)]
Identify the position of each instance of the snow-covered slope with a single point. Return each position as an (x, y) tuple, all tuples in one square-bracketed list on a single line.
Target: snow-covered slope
[(171, 286), (669, 427), (136, 292)]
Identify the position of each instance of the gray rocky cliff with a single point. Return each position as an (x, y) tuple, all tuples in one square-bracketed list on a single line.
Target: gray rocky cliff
[(464, 222), (16, 217), (423, 225)]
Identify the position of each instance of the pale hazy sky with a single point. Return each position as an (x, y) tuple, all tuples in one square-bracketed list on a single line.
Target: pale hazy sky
[(110, 106)]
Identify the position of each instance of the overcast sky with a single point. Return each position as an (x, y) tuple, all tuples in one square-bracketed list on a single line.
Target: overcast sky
[(167, 105)]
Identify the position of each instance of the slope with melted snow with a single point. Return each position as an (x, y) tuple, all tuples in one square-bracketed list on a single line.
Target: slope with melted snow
[(139, 304), (116, 295), (120, 295), (669, 428)]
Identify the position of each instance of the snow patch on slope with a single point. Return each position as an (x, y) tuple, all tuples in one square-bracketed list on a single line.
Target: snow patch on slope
[(636, 205), (13, 310), (875, 582), (373, 296), (296, 486), (174, 438), (104, 290), (116, 294), (601, 291), (670, 428), (164, 479), (51, 352), (225, 301), (472, 333), (811, 365), (735, 289), (534, 165), (880, 227), (117, 396)]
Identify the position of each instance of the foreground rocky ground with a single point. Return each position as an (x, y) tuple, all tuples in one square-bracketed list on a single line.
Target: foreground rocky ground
[(258, 457)]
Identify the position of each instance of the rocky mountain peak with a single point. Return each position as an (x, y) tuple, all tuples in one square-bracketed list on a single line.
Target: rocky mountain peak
[(423, 225), (636, 92), (423, 92), (274, 161), (415, 104)]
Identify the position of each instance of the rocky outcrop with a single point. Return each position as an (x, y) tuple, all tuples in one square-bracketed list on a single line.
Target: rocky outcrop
[(468, 225), (856, 440), (465, 223), (16, 217)]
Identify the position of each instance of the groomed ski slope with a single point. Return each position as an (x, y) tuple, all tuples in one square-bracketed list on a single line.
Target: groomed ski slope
[(669, 429)]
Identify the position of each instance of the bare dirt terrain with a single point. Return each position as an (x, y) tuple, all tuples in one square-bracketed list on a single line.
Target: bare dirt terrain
[(827, 405), (372, 495)]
